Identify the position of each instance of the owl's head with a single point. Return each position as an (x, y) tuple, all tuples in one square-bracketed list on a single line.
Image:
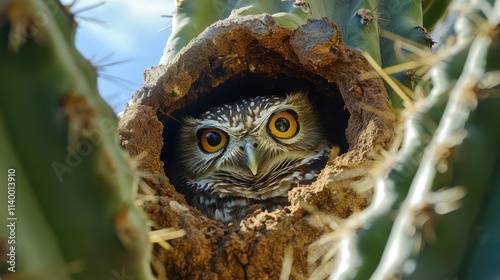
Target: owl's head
[(249, 138)]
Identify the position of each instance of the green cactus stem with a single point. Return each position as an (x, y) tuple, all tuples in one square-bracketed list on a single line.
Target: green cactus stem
[(433, 11), (484, 257), (362, 250), (365, 246), (189, 20), (75, 188), (402, 25), (460, 157)]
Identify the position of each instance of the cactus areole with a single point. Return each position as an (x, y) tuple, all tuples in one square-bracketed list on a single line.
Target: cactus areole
[(235, 59)]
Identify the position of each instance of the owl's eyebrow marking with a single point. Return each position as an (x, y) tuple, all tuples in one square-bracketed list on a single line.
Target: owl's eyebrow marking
[(234, 113)]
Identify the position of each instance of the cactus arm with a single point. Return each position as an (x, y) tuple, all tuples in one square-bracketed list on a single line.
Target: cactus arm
[(63, 136), (30, 256), (469, 166), (190, 19), (454, 229), (364, 247)]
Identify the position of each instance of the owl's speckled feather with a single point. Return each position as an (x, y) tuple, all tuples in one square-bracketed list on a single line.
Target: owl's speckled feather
[(248, 159)]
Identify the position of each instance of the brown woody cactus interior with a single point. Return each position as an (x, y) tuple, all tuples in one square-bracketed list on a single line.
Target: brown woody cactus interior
[(234, 59)]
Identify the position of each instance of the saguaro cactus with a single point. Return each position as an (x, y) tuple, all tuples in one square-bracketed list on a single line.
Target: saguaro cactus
[(71, 204), (433, 214)]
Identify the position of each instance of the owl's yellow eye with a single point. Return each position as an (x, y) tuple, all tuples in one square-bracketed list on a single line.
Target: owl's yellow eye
[(283, 124), (211, 140)]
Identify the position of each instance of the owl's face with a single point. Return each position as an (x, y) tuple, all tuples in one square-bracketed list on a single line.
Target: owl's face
[(237, 149)]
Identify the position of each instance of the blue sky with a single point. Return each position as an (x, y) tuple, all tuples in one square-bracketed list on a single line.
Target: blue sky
[(123, 34)]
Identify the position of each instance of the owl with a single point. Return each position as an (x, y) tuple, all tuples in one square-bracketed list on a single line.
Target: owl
[(249, 152)]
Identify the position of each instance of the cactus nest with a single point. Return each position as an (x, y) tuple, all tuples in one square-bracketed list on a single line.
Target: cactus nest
[(235, 59)]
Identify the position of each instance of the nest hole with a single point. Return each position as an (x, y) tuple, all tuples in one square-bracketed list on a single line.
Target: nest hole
[(236, 59), (324, 96), (248, 57)]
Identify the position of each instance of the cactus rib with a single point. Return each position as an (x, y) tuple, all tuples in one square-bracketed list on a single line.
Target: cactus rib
[(470, 135), (62, 138), (364, 248), (442, 259)]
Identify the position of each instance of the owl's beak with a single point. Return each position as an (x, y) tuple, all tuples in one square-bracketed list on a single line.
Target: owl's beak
[(251, 158)]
